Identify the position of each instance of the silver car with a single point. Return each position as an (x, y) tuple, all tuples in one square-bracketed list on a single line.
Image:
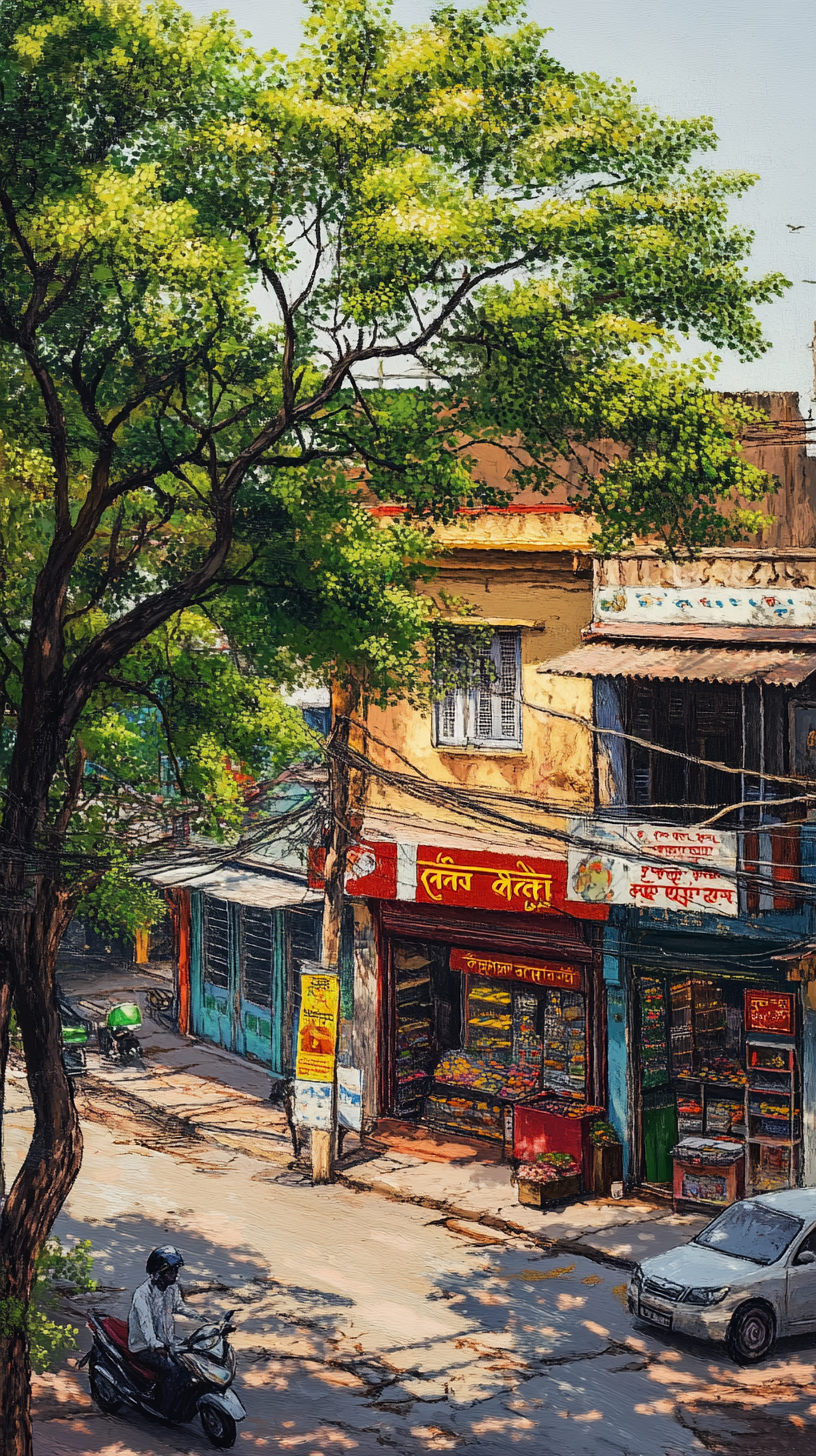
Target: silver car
[(747, 1278)]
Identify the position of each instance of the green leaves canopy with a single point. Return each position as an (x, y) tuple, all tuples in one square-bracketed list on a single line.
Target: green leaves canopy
[(216, 268)]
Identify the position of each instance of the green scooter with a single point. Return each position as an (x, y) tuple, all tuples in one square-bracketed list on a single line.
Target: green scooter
[(75, 1033), (117, 1038)]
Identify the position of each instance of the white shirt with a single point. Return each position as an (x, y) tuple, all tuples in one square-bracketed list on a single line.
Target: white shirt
[(150, 1322)]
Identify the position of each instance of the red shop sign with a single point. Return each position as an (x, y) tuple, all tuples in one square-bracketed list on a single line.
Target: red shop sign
[(499, 968), (769, 1011), (371, 869), (519, 882)]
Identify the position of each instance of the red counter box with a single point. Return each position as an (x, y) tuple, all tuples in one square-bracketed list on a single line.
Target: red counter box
[(547, 1124)]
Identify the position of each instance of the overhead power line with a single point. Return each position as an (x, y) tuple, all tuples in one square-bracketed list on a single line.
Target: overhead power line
[(486, 807)]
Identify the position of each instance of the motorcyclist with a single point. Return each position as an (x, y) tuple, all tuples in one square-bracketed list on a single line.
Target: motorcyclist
[(151, 1324)]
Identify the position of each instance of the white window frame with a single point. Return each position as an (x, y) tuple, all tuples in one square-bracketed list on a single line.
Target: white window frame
[(477, 718)]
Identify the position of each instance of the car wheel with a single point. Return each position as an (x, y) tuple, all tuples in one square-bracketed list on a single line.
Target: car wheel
[(103, 1390), (219, 1427), (751, 1334)]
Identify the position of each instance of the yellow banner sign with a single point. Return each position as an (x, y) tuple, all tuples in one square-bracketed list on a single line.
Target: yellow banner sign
[(317, 1028)]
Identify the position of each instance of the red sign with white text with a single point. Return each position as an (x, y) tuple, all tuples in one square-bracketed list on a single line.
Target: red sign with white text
[(769, 1011), (466, 878), (519, 882), (500, 968)]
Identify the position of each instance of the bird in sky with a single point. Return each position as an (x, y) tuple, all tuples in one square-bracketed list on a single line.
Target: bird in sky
[(794, 227)]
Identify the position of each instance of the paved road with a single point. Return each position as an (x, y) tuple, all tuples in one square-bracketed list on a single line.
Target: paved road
[(367, 1324)]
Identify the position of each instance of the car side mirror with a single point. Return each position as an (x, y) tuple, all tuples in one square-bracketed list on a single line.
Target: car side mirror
[(807, 1256)]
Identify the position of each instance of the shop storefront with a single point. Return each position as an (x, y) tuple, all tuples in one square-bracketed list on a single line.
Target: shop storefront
[(718, 1058), (479, 1014)]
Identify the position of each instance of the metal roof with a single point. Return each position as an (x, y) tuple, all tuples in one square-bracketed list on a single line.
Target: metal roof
[(264, 890), (692, 664)]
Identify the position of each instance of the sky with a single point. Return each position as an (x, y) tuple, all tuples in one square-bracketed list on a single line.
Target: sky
[(746, 63)]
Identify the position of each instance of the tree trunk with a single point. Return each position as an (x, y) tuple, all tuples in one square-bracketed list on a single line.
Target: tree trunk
[(54, 1156), (345, 799), (5, 1030)]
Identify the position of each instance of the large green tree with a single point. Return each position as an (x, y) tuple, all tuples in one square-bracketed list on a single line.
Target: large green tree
[(206, 260)]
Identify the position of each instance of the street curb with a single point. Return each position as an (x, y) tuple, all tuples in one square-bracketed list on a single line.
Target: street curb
[(490, 1220)]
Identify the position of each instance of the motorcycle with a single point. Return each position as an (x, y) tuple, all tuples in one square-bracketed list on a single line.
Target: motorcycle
[(117, 1038), (118, 1378)]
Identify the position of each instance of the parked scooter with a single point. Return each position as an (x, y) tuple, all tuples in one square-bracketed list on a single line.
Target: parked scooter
[(117, 1038), (76, 1030), (118, 1378)]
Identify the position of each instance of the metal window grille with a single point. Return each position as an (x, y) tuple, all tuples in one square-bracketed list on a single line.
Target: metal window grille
[(258, 952), (489, 715), (216, 942)]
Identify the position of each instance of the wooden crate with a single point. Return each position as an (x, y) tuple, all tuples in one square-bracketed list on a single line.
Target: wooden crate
[(607, 1168)]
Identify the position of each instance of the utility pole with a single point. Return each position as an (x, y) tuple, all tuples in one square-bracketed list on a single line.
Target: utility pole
[(345, 793)]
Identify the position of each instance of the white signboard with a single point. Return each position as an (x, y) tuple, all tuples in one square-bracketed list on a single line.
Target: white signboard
[(680, 869), (707, 606), (313, 1105), (350, 1098)]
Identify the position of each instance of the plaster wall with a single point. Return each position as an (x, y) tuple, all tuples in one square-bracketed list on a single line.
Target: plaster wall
[(550, 601)]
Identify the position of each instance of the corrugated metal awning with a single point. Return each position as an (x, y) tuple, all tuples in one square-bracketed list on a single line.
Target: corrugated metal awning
[(264, 890), (691, 664)]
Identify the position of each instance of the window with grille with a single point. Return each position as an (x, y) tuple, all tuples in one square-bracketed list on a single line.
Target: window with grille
[(216, 942), (258, 955), (487, 715)]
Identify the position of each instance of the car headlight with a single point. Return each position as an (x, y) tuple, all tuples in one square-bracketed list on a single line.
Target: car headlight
[(637, 1276), (705, 1296)]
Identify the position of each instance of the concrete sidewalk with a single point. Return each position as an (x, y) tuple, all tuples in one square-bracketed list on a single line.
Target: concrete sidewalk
[(196, 1091), (615, 1231)]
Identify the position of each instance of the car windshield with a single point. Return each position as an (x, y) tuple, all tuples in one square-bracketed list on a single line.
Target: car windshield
[(751, 1231)]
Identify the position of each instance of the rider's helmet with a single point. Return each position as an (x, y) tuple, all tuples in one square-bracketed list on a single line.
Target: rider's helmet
[(164, 1257)]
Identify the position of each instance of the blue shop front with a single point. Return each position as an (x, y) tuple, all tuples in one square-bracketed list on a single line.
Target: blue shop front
[(709, 972)]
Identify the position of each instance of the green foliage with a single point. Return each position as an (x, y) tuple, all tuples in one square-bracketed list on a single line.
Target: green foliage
[(603, 1134), (120, 903), (59, 1270), (212, 263)]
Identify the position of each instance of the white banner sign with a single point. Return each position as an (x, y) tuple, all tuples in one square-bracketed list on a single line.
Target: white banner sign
[(707, 606), (687, 877), (350, 1097), (313, 1105)]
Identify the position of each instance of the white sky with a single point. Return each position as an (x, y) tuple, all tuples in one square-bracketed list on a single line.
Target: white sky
[(747, 63)]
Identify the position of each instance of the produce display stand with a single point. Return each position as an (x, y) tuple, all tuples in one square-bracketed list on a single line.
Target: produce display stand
[(547, 1124), (772, 1114), (708, 1172), (535, 1194)]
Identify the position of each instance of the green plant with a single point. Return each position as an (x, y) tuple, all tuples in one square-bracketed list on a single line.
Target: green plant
[(603, 1134), (58, 1271), (556, 1160)]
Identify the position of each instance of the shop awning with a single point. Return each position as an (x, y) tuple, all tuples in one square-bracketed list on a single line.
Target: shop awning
[(690, 664), (263, 889)]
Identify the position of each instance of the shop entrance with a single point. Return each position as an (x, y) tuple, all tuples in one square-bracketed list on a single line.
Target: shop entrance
[(474, 1034), (718, 1058)]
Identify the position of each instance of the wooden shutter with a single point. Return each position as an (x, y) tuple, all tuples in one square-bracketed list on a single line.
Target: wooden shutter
[(497, 701), (641, 713), (785, 863), (750, 863), (450, 718)]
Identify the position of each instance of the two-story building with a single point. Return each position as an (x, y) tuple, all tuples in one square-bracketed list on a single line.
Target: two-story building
[(593, 872)]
